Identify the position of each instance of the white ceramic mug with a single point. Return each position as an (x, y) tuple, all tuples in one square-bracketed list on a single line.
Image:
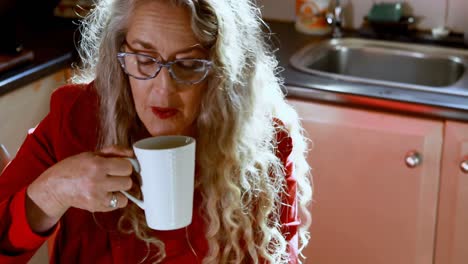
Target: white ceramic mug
[(167, 168)]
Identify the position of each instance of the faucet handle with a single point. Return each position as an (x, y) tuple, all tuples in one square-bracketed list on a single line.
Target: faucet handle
[(335, 20), (330, 18)]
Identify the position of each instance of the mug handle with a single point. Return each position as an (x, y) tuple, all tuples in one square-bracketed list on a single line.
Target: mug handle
[(138, 202)]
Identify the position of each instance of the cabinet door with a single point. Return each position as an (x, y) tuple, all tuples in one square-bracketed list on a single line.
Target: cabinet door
[(24, 107), (369, 206), (452, 226)]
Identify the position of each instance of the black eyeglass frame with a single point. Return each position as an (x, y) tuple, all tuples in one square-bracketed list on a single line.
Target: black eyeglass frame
[(166, 64)]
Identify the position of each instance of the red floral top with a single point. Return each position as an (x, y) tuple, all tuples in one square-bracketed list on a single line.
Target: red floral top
[(71, 128)]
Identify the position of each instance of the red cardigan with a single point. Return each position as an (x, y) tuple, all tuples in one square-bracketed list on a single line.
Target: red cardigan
[(71, 128)]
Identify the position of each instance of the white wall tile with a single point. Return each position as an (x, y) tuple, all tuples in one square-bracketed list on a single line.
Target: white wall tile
[(355, 11), (278, 9), (431, 13), (457, 18)]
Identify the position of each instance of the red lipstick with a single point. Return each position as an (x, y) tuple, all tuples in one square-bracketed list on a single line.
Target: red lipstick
[(164, 113)]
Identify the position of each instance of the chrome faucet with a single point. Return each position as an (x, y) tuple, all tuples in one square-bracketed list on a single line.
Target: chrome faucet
[(335, 19)]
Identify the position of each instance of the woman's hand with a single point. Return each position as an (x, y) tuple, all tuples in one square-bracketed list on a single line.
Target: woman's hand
[(87, 181)]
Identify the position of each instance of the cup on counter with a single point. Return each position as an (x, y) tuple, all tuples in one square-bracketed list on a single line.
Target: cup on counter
[(167, 168)]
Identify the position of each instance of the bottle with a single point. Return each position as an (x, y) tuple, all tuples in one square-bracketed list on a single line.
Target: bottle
[(311, 16)]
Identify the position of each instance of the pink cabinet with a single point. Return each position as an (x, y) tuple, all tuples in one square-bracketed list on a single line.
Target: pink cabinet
[(376, 184), (452, 225), (24, 107)]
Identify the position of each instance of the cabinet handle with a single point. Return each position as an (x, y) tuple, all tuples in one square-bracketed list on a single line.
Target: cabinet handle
[(414, 159), (464, 165)]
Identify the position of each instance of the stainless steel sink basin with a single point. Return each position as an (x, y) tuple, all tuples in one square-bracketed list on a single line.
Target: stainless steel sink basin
[(386, 63)]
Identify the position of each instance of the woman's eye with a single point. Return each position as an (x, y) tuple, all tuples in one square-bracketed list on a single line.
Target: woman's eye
[(187, 64), (190, 64), (145, 61)]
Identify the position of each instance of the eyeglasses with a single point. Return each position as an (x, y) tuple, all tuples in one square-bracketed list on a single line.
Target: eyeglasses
[(145, 67)]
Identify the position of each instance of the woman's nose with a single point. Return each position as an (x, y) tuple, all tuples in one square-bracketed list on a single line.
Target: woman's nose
[(163, 82)]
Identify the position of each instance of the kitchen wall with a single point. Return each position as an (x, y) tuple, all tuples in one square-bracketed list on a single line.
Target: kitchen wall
[(431, 13)]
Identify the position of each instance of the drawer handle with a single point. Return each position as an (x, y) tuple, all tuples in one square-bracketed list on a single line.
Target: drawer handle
[(414, 159), (464, 165)]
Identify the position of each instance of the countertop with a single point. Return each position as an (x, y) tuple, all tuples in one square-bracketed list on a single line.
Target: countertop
[(300, 85), (53, 43), (54, 48)]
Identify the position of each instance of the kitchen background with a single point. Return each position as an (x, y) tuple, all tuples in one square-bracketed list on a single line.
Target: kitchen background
[(430, 13), (371, 207)]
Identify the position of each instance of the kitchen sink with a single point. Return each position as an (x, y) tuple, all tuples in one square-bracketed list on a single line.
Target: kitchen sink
[(386, 63)]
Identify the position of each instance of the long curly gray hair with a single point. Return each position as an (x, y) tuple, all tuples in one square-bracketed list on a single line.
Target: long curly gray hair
[(236, 143)]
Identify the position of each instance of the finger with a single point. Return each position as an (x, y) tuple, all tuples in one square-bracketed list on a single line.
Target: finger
[(122, 200), (114, 183), (115, 150), (116, 166)]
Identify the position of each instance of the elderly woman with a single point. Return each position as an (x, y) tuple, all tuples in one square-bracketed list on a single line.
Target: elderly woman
[(158, 67)]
